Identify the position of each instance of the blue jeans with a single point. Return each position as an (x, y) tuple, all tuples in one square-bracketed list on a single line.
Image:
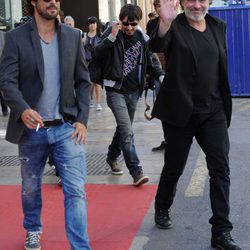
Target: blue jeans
[(123, 107), (70, 161)]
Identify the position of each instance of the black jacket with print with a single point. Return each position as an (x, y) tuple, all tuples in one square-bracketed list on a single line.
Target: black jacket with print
[(111, 56)]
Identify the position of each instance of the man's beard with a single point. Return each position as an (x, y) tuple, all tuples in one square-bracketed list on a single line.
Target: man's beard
[(46, 15), (194, 18)]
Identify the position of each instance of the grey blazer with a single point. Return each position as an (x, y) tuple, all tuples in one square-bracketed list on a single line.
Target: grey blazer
[(2, 39), (22, 75)]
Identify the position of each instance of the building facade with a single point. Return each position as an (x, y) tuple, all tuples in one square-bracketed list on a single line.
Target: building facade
[(11, 11)]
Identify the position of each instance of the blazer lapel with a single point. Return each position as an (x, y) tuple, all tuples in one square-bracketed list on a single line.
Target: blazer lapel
[(187, 36), (62, 45), (216, 35), (37, 50), (220, 43)]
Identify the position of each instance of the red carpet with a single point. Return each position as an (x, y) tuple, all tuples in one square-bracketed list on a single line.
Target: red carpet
[(115, 213)]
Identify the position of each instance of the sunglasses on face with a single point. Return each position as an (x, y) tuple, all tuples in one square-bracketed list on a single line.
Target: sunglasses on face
[(127, 24)]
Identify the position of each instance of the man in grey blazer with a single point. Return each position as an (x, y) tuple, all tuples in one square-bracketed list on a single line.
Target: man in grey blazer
[(45, 82), (194, 101), (3, 104)]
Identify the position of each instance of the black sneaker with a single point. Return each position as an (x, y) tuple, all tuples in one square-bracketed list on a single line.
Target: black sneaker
[(139, 178), (162, 218), (115, 168), (224, 242), (32, 241), (161, 147)]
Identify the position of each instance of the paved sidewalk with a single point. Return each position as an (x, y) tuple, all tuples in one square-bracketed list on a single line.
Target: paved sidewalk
[(191, 210), (101, 127)]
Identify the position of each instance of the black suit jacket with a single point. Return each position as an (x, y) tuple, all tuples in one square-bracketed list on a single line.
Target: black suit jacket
[(151, 26), (174, 103), (22, 75)]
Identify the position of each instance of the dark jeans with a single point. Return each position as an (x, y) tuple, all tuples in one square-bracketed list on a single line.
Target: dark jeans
[(123, 107), (210, 131), (3, 104)]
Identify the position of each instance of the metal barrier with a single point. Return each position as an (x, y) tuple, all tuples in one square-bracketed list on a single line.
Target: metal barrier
[(237, 17)]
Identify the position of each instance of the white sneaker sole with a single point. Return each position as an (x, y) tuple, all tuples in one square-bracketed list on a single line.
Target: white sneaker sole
[(27, 248), (117, 173)]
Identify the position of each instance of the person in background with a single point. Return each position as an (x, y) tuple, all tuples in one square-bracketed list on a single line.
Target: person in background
[(69, 21), (45, 81), (107, 25), (125, 56), (60, 16), (154, 20), (194, 101), (90, 41), (102, 26), (3, 104), (152, 15), (152, 23)]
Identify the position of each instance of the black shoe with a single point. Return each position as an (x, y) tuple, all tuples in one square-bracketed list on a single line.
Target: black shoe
[(139, 179), (115, 168), (161, 147), (162, 218), (224, 242)]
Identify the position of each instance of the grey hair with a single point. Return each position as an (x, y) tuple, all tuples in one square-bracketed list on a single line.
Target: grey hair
[(68, 18)]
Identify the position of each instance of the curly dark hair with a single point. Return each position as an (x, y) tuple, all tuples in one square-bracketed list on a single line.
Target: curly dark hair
[(133, 12), (29, 8)]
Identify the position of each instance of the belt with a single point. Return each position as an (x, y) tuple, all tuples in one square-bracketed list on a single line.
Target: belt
[(55, 122)]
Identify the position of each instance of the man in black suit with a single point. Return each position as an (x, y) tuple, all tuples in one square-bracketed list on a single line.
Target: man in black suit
[(194, 101), (45, 81)]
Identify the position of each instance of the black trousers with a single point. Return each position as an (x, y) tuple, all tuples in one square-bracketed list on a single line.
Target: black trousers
[(211, 133)]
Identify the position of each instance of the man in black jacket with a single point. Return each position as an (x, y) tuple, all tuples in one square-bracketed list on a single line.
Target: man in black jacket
[(194, 101), (125, 56)]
